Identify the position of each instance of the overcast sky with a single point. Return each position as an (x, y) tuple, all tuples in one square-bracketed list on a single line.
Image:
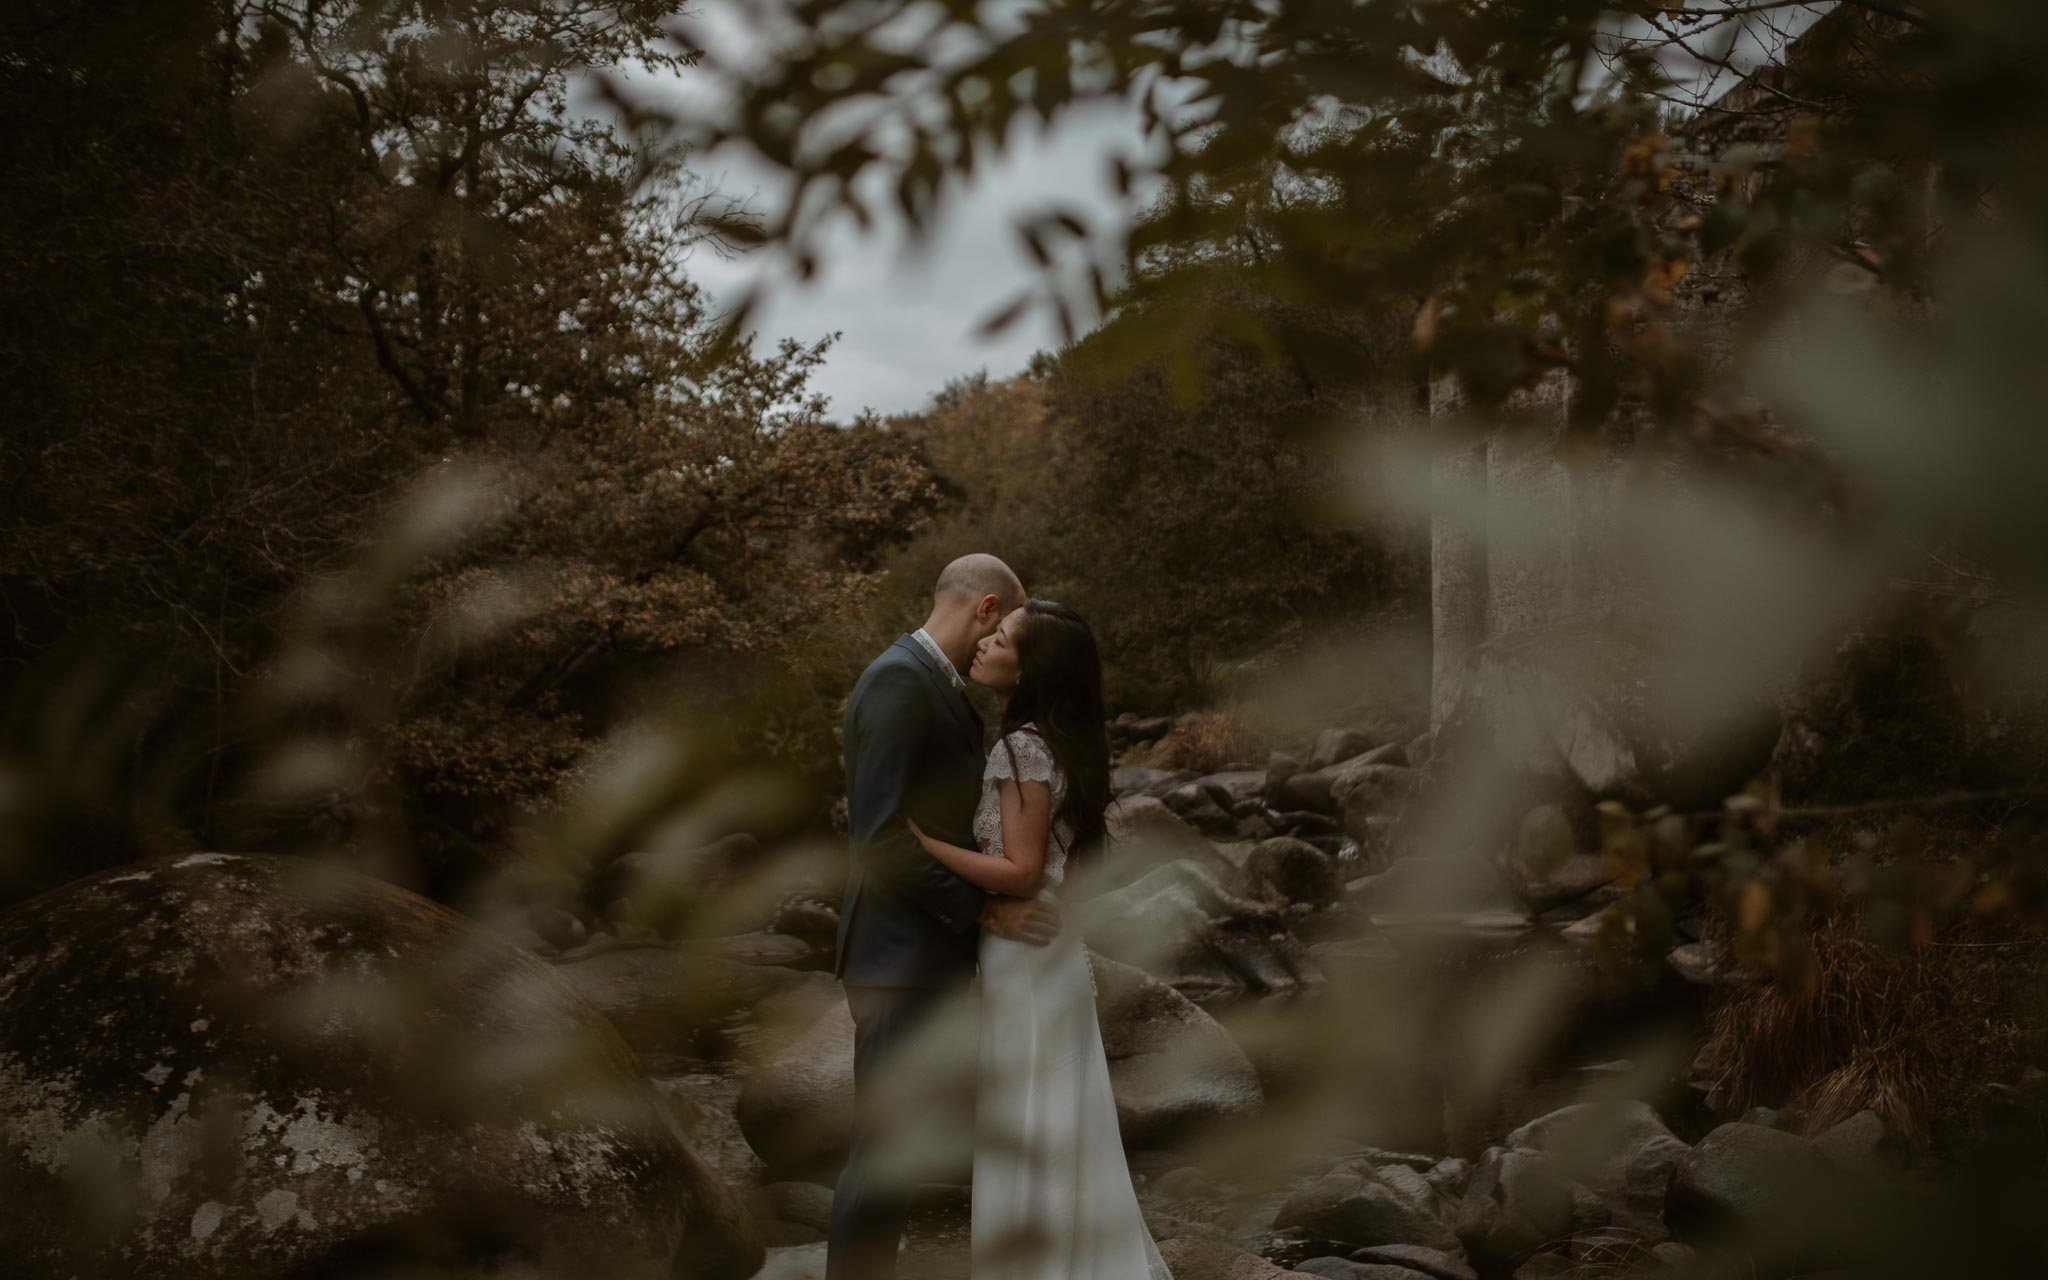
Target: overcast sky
[(908, 314)]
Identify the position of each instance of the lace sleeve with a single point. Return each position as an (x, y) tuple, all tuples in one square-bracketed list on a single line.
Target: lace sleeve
[(1023, 756)]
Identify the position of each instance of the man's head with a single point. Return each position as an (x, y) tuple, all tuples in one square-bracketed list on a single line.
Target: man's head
[(972, 596)]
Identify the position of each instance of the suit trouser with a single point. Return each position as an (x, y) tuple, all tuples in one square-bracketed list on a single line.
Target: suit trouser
[(869, 1212)]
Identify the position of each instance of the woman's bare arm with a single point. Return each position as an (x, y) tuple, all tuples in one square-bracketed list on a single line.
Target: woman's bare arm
[(1027, 823)]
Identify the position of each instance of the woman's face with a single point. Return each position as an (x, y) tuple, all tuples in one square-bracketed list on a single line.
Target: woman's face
[(995, 664)]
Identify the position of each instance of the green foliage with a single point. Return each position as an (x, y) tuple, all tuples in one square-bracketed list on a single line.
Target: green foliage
[(1191, 535), (274, 265)]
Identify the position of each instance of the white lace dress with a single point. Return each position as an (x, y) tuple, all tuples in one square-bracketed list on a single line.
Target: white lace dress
[(1052, 1194)]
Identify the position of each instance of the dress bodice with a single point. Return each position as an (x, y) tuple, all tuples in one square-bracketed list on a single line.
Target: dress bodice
[(1022, 755)]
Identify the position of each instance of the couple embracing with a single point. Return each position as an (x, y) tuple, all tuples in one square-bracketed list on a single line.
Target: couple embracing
[(956, 860)]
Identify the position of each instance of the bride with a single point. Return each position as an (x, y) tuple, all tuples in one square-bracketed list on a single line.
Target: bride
[(1052, 1194)]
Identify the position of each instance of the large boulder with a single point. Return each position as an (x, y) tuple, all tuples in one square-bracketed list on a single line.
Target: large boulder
[(796, 1109), (697, 889), (1620, 1151), (216, 1063), (1745, 1175), (1294, 872), (1430, 1262), (1368, 794), (1517, 1202), (1171, 1066), (674, 1005), (1358, 1203), (1192, 1258), (1335, 745), (1865, 1145), (1143, 835), (1133, 780), (1315, 789), (1346, 1269), (1182, 924), (1232, 788), (1201, 809)]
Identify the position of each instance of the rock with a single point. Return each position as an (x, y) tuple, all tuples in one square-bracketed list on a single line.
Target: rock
[(1172, 1068), (1517, 1202), (559, 928), (1344, 1269), (813, 922), (1707, 964), (673, 1005), (1576, 877), (1590, 1221), (796, 1110), (1129, 781), (1302, 822), (1237, 787), (807, 1204), (1308, 792), (1291, 871), (1279, 768), (1430, 1262), (1145, 834), (1362, 1205), (1374, 845), (1743, 1173), (801, 1262), (1257, 825), (765, 948), (1196, 1259), (1546, 1266), (703, 1107), (1136, 728), (1621, 1151), (269, 1064), (1449, 1177), (1236, 852), (1443, 884), (1377, 1156), (686, 890), (1336, 745), (1676, 1258), (1196, 806), (1181, 924), (1865, 1145), (1364, 790), (1315, 790)]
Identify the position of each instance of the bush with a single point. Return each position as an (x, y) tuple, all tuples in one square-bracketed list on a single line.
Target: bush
[(1914, 1034), (1208, 742)]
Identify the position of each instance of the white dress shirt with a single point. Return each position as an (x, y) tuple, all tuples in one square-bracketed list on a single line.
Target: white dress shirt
[(931, 646)]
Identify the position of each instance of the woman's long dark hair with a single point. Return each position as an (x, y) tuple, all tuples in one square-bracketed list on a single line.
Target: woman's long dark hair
[(1059, 689)]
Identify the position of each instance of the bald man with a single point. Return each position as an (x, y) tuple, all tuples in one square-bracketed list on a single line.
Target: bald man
[(909, 929)]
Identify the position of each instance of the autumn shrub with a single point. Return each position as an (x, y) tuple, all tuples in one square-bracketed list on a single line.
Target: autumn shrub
[(1205, 742), (1194, 535), (1914, 1033)]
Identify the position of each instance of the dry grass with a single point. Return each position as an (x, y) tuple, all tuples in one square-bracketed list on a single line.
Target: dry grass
[(1206, 743), (1914, 1035)]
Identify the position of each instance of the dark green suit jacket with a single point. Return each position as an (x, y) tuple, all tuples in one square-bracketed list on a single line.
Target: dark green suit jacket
[(913, 750)]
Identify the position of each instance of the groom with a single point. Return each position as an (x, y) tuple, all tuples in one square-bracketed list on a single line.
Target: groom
[(909, 928)]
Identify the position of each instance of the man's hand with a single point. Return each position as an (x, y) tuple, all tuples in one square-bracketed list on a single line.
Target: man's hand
[(1021, 920)]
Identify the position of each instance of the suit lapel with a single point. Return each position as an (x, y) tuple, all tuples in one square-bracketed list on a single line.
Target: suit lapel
[(956, 700)]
